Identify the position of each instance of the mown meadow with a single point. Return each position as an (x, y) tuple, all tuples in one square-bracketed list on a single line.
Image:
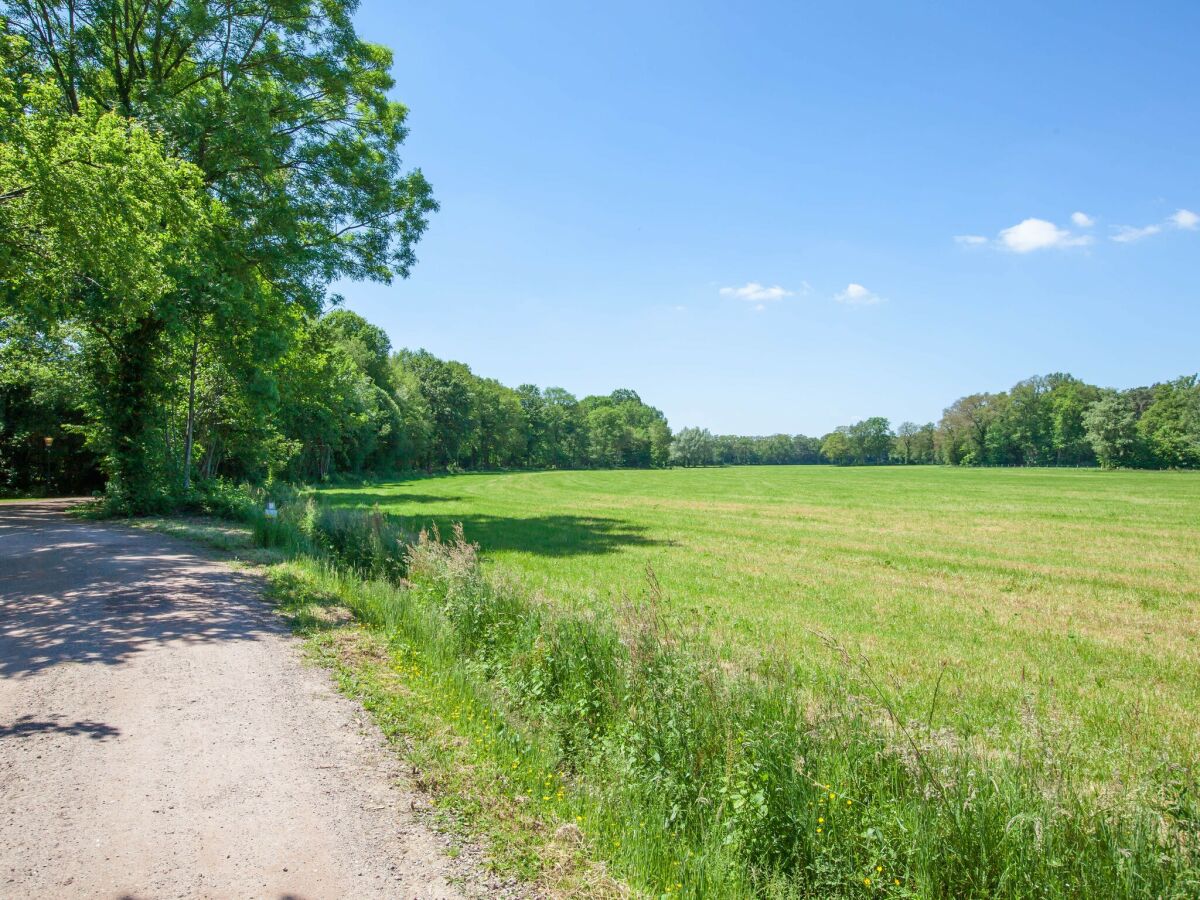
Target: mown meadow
[(784, 683), (990, 601)]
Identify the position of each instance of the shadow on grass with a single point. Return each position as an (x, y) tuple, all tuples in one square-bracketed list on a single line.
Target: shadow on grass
[(366, 499), (307, 609), (557, 535), (549, 535)]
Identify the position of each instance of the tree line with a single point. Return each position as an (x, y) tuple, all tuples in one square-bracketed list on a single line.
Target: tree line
[(1052, 420), (339, 401)]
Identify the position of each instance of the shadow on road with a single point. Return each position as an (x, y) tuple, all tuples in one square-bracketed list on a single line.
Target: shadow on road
[(27, 726), (77, 592)]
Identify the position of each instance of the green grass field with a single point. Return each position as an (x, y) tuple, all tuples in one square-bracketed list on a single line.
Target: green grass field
[(1061, 601)]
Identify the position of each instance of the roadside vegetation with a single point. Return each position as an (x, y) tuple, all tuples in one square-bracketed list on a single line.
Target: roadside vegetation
[(608, 743)]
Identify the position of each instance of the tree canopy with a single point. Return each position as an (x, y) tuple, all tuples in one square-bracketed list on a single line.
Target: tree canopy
[(179, 184)]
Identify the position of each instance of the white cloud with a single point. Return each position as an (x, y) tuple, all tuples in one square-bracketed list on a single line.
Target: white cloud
[(1127, 234), (1082, 220), (971, 240), (857, 295), (753, 292), (759, 307), (1038, 234), (1184, 218)]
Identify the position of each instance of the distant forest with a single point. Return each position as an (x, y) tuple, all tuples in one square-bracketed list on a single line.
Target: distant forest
[(340, 402)]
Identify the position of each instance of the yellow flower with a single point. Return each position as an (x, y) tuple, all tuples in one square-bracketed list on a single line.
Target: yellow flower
[(896, 881), (879, 868), (833, 796), (867, 882), (848, 802), (820, 820), (819, 830)]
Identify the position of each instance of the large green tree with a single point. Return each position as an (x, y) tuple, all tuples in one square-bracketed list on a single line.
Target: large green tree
[(282, 111)]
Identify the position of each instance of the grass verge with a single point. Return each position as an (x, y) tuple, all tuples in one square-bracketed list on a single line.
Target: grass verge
[(595, 751)]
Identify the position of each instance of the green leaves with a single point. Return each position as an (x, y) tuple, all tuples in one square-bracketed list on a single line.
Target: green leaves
[(193, 175), (98, 221)]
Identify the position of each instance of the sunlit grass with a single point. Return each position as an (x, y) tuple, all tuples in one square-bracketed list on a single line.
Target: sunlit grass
[(602, 738), (1072, 595)]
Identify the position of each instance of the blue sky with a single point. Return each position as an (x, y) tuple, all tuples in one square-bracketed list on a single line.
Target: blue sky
[(775, 217)]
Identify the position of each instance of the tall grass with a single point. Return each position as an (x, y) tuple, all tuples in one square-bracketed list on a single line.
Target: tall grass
[(689, 778)]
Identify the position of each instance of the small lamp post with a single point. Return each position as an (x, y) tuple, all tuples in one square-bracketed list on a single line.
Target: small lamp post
[(49, 442)]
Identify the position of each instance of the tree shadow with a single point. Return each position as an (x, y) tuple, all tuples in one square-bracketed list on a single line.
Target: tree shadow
[(82, 593), (367, 499), (26, 726), (553, 535), (549, 535)]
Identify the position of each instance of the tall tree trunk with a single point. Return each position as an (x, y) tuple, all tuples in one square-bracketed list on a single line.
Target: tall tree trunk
[(132, 390), (191, 413)]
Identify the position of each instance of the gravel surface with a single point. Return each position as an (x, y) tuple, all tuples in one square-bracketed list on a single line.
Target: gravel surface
[(160, 736)]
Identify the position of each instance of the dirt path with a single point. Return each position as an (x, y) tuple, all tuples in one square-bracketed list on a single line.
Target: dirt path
[(160, 737)]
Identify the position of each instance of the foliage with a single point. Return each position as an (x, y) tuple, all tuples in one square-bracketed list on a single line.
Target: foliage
[(225, 164), (693, 447)]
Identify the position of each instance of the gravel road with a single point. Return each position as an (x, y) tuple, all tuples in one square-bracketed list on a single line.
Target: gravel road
[(160, 735)]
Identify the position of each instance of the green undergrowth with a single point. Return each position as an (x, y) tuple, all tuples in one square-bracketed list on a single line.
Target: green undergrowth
[(570, 736)]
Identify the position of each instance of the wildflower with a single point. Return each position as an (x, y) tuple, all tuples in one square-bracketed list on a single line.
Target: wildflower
[(833, 796), (849, 802), (820, 820), (867, 882), (879, 868), (896, 882), (819, 830)]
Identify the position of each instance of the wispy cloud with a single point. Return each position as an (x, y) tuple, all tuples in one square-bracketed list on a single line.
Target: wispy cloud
[(760, 294), (857, 295), (1127, 234), (970, 240), (1185, 219), (1082, 220), (1038, 234), (1181, 219)]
